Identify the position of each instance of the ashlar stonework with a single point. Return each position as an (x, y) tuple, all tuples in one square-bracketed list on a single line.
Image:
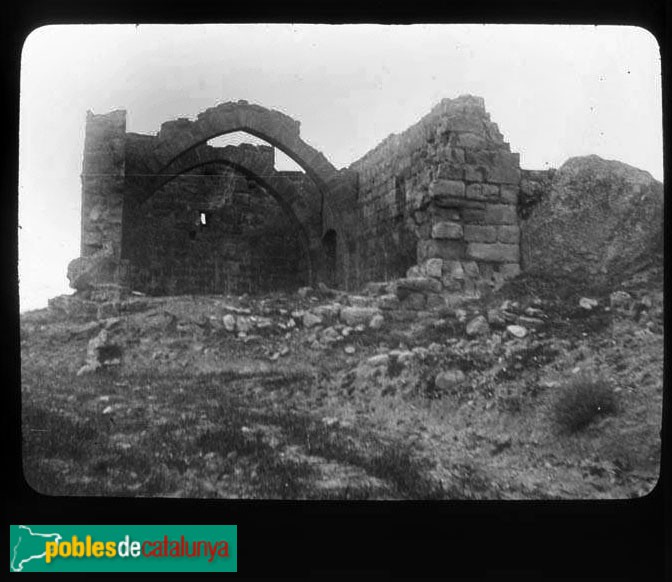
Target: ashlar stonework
[(437, 208)]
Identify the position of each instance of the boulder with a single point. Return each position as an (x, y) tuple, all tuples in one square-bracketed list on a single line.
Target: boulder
[(243, 324), (86, 272), (361, 301), (311, 320), (478, 326), (517, 331), (587, 303), (354, 316), (417, 285), (597, 220), (328, 311), (449, 379), (378, 360), (620, 300), (330, 336), (229, 322), (414, 301), (389, 301), (100, 352), (376, 288)]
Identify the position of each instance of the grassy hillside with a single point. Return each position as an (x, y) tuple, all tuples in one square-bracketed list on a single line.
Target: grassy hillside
[(182, 406)]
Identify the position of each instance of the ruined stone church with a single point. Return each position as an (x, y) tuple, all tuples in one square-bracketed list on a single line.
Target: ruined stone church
[(168, 214)]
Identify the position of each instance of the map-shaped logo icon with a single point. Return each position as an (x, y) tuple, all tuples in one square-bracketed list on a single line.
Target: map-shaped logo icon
[(30, 546)]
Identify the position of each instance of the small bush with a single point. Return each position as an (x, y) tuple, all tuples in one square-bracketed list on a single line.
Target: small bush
[(581, 401)]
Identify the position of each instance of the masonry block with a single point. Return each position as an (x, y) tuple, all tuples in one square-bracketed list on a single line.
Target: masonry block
[(475, 192), (442, 249), (433, 267), (453, 188), (473, 216), (445, 214), (508, 234), (500, 214), (451, 284), (435, 301), (505, 169), (447, 230), (453, 269), (450, 171), (471, 269), (469, 140), (496, 253), (474, 173), (480, 233), (509, 194), (491, 192), (414, 302), (417, 284)]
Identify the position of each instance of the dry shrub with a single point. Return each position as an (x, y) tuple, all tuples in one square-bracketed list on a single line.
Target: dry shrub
[(582, 400)]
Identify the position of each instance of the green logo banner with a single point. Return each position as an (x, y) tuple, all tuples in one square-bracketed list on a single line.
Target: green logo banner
[(123, 548)]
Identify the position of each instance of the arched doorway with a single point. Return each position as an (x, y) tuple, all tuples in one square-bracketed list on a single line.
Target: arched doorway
[(330, 249)]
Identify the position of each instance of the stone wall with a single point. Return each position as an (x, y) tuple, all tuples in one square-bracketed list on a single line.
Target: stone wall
[(439, 198), (437, 201), (247, 243), (103, 180)]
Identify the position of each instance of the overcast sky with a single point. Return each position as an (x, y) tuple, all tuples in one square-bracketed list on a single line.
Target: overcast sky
[(554, 91)]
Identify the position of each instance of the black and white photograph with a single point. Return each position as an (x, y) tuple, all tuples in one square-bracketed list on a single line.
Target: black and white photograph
[(354, 262)]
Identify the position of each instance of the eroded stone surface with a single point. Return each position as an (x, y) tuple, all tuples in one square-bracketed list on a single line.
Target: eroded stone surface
[(594, 218)]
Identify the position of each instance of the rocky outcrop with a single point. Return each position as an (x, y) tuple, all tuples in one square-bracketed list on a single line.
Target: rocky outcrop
[(73, 306), (85, 273), (598, 220)]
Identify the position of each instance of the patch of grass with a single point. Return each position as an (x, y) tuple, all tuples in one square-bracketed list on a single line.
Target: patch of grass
[(394, 463), (53, 440), (394, 368), (49, 434), (525, 359), (581, 401), (272, 476), (231, 438), (284, 478), (566, 288)]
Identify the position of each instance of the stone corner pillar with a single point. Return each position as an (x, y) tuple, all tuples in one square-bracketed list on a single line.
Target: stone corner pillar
[(103, 181)]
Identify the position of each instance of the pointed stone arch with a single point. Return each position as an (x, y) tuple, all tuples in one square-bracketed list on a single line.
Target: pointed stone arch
[(123, 169), (281, 131)]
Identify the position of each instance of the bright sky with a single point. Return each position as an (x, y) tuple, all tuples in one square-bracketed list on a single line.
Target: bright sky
[(554, 91)]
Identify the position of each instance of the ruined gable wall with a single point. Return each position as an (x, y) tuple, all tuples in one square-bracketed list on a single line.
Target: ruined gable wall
[(247, 245), (441, 196)]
